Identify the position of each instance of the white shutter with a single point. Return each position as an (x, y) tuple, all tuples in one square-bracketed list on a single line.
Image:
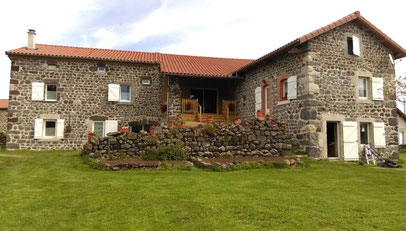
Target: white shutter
[(377, 88), (38, 128), (60, 128), (391, 59), (292, 87), (258, 99), (350, 139), (37, 91), (379, 135), (111, 126), (356, 49), (114, 92)]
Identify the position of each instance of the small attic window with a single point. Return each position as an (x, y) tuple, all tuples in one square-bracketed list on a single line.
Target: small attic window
[(350, 46), (52, 65), (353, 45), (101, 67)]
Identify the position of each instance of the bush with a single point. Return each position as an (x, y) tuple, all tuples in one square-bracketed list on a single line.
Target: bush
[(170, 152), (210, 130)]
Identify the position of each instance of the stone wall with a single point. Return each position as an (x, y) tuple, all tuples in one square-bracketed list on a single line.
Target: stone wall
[(327, 79), (3, 126), (82, 97), (250, 138)]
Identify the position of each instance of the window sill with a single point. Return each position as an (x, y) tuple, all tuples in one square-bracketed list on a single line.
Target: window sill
[(48, 140), (124, 102), (283, 102), (364, 100)]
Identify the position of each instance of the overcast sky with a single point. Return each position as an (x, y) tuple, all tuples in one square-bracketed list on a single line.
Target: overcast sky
[(223, 28)]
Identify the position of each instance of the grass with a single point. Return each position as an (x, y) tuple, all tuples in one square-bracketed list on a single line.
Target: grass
[(55, 190)]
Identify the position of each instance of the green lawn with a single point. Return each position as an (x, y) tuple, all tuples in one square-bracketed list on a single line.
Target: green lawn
[(56, 191)]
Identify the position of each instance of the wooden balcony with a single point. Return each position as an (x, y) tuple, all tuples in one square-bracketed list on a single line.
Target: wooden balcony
[(192, 111)]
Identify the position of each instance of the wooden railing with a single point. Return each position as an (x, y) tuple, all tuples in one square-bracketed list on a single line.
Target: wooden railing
[(229, 108), (192, 106)]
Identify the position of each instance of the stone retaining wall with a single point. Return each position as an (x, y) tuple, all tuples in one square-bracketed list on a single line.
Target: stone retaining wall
[(250, 138)]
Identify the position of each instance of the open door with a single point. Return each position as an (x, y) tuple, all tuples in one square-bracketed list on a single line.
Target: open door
[(350, 138), (332, 144)]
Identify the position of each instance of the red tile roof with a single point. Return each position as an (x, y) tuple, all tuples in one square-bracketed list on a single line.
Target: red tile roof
[(3, 104), (197, 65), (170, 64), (399, 52)]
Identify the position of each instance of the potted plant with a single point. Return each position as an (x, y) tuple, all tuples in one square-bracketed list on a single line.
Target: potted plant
[(188, 106), (152, 130), (237, 121), (90, 135), (259, 113)]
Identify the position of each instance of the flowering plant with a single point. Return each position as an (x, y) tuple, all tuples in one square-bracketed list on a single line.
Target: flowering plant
[(237, 121)]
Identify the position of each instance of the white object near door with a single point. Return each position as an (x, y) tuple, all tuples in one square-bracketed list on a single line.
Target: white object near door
[(110, 126), (292, 87), (379, 135), (350, 139), (258, 102), (356, 50)]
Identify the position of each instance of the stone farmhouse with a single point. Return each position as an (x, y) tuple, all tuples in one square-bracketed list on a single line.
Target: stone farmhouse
[(334, 87)]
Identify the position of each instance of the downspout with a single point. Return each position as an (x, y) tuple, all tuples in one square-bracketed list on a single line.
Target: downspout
[(167, 99)]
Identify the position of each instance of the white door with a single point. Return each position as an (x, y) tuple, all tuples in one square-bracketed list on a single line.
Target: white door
[(350, 139)]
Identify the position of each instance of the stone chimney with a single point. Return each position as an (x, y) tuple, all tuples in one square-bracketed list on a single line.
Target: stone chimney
[(31, 39)]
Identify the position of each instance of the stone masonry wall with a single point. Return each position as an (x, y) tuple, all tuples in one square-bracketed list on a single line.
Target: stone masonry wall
[(327, 78), (290, 64), (3, 126), (336, 75), (250, 138), (82, 97)]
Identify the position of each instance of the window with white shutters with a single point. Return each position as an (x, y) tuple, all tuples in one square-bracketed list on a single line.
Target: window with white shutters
[(37, 91), (258, 99), (379, 135), (292, 87), (110, 126), (377, 88), (114, 92)]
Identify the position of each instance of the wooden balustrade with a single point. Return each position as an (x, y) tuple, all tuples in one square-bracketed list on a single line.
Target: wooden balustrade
[(192, 106), (229, 108)]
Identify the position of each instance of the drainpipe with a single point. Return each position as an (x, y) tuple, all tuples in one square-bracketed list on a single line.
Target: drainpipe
[(167, 99)]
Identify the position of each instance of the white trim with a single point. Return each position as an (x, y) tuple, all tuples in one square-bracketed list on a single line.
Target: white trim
[(129, 98), (104, 126), (44, 136)]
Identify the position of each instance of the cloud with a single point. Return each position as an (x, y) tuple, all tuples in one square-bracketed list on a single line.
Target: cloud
[(105, 38)]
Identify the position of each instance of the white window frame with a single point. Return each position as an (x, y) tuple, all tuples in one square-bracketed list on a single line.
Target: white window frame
[(146, 82), (101, 69), (46, 92), (104, 126), (122, 100), (44, 136), (366, 86)]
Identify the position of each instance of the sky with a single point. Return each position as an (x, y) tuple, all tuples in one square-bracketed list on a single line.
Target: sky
[(219, 28)]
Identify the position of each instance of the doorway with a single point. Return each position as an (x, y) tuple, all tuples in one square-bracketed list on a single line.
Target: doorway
[(207, 99), (332, 144)]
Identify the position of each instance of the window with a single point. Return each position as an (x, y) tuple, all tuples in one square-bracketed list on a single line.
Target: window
[(267, 103), (50, 129), (350, 46), (285, 89), (98, 128), (52, 66), (50, 92), (125, 93), (146, 81), (138, 127), (363, 88), (353, 45), (401, 137), (364, 133)]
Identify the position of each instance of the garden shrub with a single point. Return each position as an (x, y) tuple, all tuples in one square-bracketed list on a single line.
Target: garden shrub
[(209, 129), (170, 152)]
